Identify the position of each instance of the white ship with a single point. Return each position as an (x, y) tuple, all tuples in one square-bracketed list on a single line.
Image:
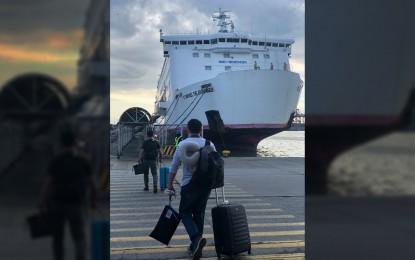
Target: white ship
[(247, 78)]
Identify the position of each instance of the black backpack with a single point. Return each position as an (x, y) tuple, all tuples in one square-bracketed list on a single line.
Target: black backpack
[(209, 173), (151, 153)]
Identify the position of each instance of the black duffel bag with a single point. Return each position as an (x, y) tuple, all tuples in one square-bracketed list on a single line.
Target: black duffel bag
[(139, 168), (41, 224)]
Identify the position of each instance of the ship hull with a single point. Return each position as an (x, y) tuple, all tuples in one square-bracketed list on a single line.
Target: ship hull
[(241, 142), (253, 104)]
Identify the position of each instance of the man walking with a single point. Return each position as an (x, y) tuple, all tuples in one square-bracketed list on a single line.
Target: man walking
[(193, 198), (68, 181), (149, 153)]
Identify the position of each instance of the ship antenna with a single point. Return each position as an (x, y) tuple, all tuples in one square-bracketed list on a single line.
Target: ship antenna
[(221, 17)]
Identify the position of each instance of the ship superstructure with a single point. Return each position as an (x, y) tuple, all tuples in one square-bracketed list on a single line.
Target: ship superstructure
[(247, 78)]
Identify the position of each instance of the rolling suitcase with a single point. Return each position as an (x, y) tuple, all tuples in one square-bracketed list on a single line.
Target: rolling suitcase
[(230, 228), (164, 176)]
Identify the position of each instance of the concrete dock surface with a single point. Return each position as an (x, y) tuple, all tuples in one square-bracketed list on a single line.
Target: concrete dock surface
[(271, 189), (382, 167)]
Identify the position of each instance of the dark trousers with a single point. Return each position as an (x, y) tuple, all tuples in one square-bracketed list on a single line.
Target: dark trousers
[(75, 215), (152, 164), (192, 209)]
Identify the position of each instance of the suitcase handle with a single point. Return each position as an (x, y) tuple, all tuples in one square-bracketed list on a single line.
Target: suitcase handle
[(223, 197)]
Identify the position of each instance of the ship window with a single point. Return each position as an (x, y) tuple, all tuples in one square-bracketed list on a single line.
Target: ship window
[(226, 55), (214, 41), (208, 67), (183, 42), (198, 41), (254, 43), (190, 42), (249, 42), (167, 42), (266, 56), (255, 56), (261, 43), (268, 44), (281, 45), (232, 40), (275, 44), (175, 42), (221, 39), (288, 45), (207, 55), (227, 68), (195, 55), (244, 40), (206, 42)]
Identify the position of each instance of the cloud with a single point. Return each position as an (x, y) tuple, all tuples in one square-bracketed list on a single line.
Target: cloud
[(41, 36), (136, 53), (25, 16), (121, 101)]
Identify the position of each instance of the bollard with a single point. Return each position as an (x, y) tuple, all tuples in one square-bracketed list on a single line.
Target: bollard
[(225, 153)]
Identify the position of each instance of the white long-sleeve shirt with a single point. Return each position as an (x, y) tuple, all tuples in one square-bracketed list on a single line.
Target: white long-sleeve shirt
[(187, 169)]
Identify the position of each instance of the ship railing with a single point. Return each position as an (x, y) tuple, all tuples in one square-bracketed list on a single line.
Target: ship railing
[(123, 135), (166, 134), (161, 78), (273, 66), (260, 66)]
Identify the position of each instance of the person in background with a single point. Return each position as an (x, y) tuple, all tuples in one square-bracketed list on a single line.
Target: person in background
[(149, 153), (178, 138), (193, 199), (66, 187)]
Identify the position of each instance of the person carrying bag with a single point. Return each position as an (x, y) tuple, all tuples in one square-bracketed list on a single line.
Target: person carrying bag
[(149, 154)]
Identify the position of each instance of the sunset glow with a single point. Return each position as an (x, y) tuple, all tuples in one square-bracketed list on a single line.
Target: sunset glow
[(18, 54)]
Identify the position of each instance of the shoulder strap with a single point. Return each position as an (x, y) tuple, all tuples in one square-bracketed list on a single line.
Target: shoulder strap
[(207, 142)]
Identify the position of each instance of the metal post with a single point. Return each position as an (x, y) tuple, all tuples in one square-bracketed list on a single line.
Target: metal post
[(119, 141)]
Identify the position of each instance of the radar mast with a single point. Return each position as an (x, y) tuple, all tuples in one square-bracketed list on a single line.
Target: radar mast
[(221, 17)]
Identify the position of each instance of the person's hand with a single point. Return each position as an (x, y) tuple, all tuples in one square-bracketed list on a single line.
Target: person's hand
[(171, 188)]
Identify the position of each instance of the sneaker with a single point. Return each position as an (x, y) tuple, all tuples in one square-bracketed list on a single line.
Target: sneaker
[(199, 244), (155, 189), (145, 189)]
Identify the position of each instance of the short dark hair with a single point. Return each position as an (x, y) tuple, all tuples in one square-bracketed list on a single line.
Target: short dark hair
[(195, 126), (150, 133), (68, 138)]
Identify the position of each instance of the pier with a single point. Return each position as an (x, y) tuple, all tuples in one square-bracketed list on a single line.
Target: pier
[(271, 189)]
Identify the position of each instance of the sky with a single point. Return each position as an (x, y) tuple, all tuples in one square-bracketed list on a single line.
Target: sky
[(42, 36), (136, 51)]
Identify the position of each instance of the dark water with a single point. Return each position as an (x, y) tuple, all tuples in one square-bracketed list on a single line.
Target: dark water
[(284, 144)]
